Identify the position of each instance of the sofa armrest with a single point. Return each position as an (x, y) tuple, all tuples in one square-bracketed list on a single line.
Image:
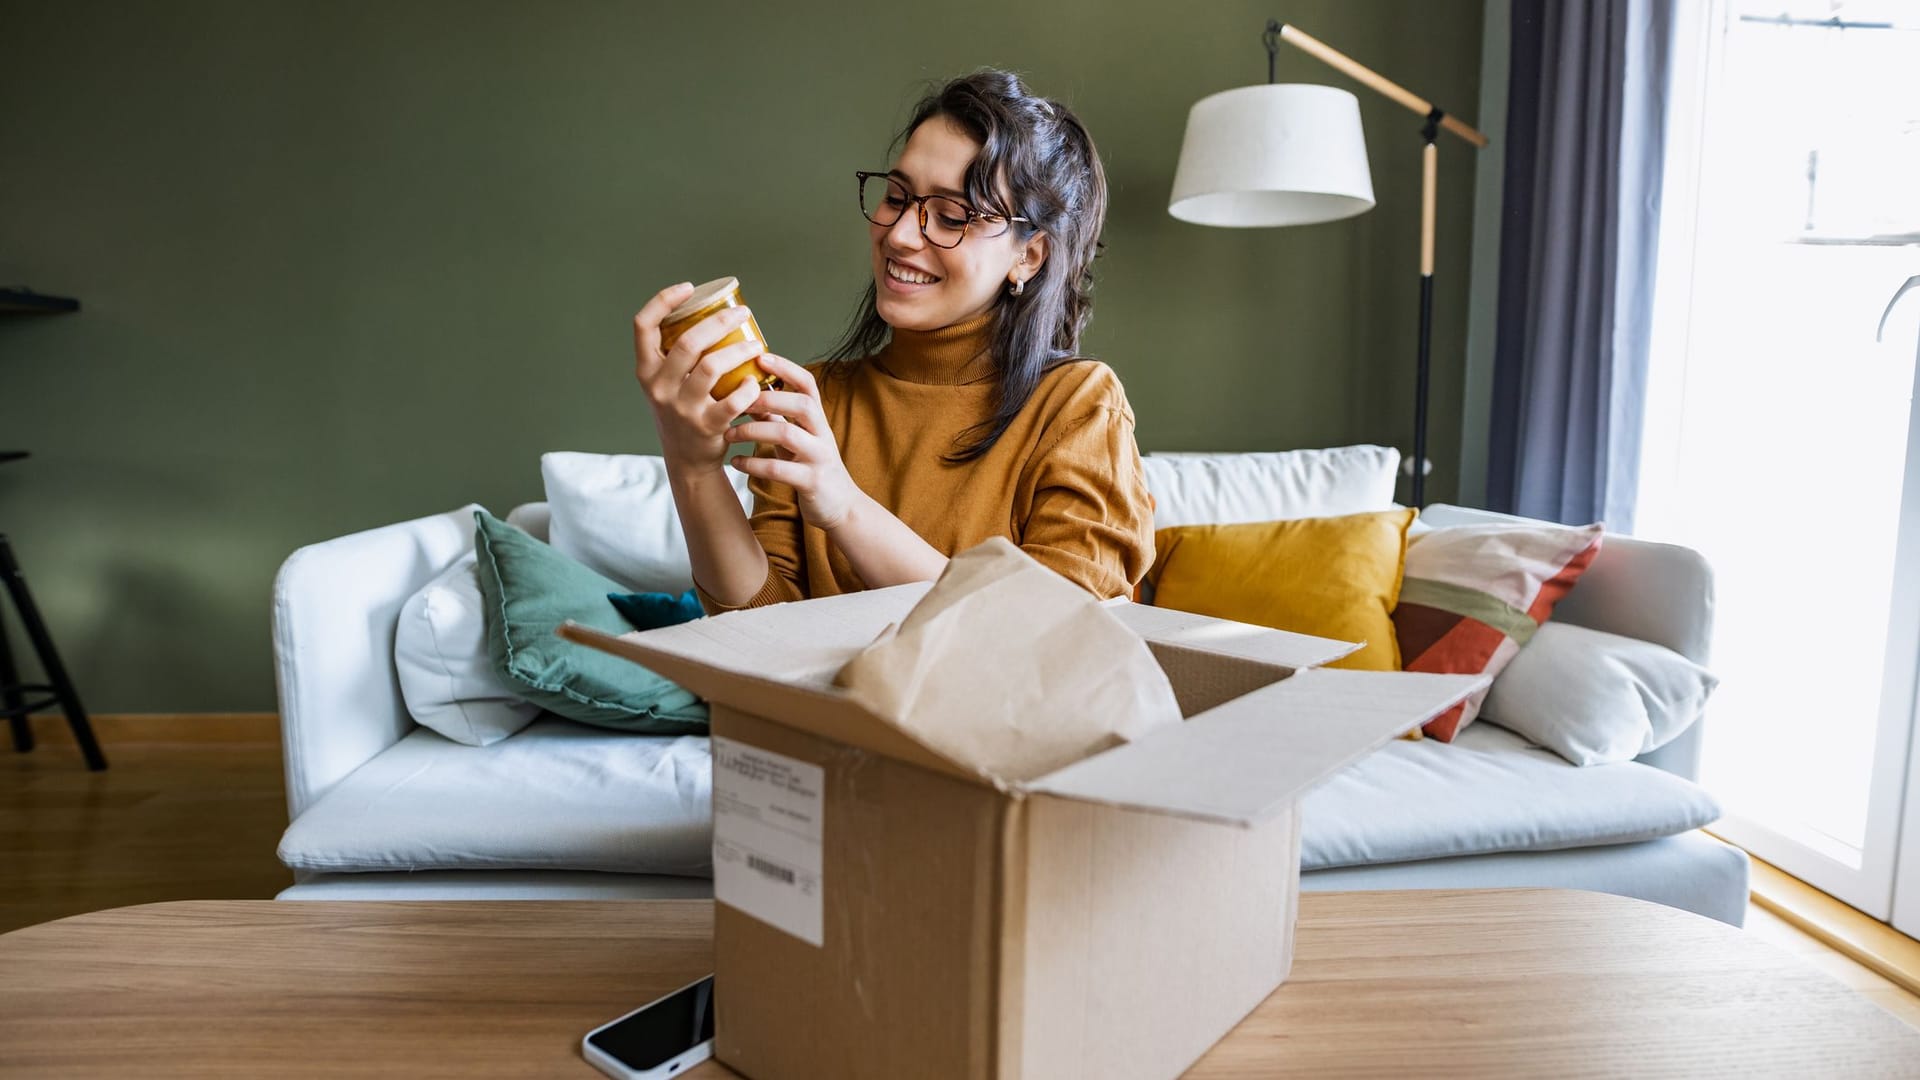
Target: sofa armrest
[(1661, 593), (335, 607), (533, 518)]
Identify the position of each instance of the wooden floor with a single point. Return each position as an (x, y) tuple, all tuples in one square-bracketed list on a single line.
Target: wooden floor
[(192, 808), (1876, 988), (1875, 945), (188, 808)]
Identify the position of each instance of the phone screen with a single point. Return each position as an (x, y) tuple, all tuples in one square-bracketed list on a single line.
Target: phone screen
[(661, 1031)]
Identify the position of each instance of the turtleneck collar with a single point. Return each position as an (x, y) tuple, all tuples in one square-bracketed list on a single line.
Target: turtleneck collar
[(949, 356)]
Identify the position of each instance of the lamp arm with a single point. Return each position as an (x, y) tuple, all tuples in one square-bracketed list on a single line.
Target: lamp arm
[(1359, 72)]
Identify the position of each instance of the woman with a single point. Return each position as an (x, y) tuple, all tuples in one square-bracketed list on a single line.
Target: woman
[(973, 419)]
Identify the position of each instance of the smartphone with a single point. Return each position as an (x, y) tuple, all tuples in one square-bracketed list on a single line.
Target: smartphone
[(659, 1039)]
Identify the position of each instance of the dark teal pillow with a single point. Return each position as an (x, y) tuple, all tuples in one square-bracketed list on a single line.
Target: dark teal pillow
[(653, 610), (529, 590)]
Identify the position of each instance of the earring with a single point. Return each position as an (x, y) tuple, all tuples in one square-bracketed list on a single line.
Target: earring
[(1018, 284)]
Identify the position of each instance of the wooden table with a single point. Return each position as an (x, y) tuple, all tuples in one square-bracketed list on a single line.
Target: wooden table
[(1480, 983)]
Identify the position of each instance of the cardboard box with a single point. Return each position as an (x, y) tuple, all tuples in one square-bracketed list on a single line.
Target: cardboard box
[(884, 912)]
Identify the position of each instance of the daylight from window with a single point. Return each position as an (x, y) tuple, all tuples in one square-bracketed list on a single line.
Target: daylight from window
[(1777, 425)]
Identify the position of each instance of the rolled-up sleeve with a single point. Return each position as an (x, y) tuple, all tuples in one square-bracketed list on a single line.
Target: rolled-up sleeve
[(1088, 514)]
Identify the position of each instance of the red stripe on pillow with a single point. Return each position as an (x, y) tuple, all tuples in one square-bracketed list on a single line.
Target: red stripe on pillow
[(1446, 725), (1418, 627), (1563, 582), (1466, 647)]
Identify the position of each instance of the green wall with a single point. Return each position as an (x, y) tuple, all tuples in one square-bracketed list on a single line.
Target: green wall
[(347, 264)]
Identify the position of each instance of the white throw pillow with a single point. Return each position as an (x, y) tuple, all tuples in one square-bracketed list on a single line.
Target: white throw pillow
[(446, 677), (1594, 697), (614, 512), (1232, 489)]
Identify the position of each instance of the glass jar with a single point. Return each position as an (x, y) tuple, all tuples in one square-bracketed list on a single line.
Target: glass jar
[(711, 297)]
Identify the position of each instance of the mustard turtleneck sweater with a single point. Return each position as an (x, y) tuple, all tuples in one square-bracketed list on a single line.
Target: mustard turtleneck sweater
[(1064, 482)]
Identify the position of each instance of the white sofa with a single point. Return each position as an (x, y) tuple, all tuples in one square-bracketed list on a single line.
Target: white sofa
[(381, 808)]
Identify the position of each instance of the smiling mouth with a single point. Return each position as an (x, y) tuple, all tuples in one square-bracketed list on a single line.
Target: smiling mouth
[(906, 276)]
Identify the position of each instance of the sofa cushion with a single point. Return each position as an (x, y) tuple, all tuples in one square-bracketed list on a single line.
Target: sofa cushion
[(560, 796), (554, 796), (529, 590), (1331, 577), (1594, 697), (446, 676), (653, 610), (1235, 488), (1488, 790), (614, 512), (534, 519)]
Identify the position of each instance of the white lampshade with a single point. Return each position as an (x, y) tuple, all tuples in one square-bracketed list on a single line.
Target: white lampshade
[(1279, 154)]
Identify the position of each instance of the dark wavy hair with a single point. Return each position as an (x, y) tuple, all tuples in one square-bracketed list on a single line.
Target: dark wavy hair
[(1056, 181)]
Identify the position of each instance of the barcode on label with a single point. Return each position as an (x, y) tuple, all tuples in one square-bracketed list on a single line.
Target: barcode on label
[(772, 870)]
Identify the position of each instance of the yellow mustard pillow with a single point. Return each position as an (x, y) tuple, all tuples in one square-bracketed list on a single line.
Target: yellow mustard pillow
[(1334, 577)]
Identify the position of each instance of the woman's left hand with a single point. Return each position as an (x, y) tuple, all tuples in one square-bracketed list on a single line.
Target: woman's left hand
[(805, 455)]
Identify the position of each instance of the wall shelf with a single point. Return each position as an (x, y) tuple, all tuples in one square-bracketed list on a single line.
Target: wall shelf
[(27, 302)]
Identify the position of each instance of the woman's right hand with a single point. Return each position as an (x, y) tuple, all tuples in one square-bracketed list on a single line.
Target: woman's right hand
[(679, 383)]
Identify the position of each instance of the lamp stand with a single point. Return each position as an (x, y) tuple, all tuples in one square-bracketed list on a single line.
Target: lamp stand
[(1429, 199), (1436, 119)]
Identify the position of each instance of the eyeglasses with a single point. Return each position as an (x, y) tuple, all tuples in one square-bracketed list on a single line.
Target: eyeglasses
[(943, 221)]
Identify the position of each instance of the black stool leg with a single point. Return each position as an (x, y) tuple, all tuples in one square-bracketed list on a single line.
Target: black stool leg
[(10, 696), (50, 658)]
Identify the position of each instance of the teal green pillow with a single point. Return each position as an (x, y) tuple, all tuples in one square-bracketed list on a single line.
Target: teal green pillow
[(529, 590)]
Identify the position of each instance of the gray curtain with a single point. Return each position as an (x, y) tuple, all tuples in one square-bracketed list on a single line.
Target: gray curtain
[(1580, 214)]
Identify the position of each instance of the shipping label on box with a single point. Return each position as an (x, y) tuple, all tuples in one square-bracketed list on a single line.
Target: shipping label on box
[(767, 817)]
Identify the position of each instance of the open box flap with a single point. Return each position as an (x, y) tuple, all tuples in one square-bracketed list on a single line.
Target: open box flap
[(1243, 641), (779, 661), (818, 709), (1253, 756), (804, 642)]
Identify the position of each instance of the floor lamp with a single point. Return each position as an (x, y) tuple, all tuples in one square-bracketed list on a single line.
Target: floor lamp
[(1293, 154)]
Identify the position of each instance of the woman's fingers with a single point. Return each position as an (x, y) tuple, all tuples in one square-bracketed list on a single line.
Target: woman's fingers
[(799, 408), (646, 327), (717, 415), (701, 336), (698, 385), (778, 470), (789, 437), (792, 374), (799, 401)]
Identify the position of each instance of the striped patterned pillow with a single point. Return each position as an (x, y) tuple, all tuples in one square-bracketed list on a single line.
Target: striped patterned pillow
[(1474, 595)]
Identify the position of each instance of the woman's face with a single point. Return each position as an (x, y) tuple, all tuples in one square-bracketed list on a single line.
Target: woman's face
[(967, 278)]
